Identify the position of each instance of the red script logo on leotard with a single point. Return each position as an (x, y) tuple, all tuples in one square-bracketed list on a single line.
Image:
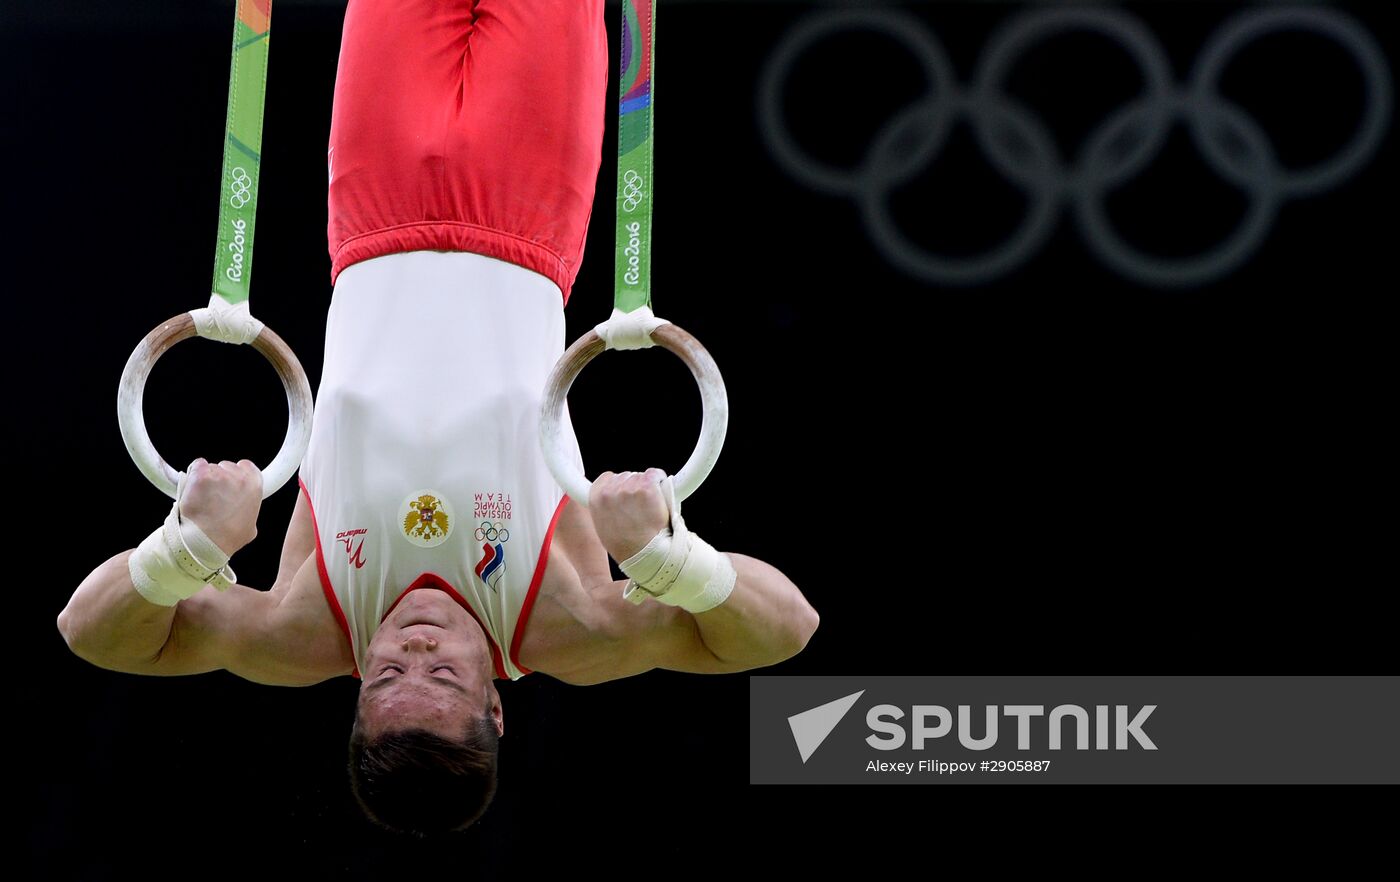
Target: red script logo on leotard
[(357, 537)]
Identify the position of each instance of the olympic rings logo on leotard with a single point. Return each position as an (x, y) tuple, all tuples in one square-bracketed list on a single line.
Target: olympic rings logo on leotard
[(489, 532), (1020, 146), (241, 187), (631, 190)]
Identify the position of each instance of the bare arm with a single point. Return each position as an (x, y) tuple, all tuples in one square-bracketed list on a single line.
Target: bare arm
[(276, 637), (107, 623), (765, 619)]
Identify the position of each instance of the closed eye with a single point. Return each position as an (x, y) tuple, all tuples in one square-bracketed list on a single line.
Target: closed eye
[(383, 680)]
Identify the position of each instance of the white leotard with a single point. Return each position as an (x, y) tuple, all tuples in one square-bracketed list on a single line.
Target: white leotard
[(424, 468)]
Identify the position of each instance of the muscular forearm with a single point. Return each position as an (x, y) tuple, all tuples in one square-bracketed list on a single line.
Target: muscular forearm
[(764, 620), (109, 624)]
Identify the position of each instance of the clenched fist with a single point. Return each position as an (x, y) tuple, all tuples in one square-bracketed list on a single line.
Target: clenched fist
[(223, 500), (628, 510)]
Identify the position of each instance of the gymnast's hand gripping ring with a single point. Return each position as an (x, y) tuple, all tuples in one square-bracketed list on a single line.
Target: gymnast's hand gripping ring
[(133, 386), (712, 396)]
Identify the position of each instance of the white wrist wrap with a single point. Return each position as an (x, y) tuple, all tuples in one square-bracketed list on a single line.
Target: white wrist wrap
[(677, 567), (177, 560)]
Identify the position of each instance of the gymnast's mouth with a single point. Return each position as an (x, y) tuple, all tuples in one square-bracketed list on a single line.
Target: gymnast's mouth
[(420, 621)]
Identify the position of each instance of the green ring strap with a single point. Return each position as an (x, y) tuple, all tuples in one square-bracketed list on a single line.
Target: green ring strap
[(635, 149), (238, 194)]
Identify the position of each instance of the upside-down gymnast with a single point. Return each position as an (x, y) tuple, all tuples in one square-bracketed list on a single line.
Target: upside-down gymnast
[(431, 550)]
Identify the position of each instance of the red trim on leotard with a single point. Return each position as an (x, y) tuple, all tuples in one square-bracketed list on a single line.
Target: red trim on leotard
[(433, 580), (529, 603), (438, 582), (325, 576)]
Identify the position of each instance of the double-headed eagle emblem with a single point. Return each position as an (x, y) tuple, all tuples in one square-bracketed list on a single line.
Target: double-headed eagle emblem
[(426, 519)]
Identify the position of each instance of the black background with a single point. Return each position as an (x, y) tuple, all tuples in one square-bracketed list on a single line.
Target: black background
[(1058, 472)]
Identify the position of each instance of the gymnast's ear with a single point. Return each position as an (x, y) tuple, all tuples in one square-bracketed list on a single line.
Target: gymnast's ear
[(496, 712)]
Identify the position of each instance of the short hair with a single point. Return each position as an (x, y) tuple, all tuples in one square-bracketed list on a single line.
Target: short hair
[(416, 782)]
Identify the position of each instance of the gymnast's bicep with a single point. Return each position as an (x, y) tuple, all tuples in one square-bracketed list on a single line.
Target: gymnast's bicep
[(287, 638), (209, 629), (627, 639)]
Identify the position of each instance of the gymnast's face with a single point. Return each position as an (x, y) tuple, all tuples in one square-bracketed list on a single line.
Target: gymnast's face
[(427, 667)]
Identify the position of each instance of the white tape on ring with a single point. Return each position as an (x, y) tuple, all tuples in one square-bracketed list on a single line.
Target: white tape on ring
[(226, 322), (629, 330)]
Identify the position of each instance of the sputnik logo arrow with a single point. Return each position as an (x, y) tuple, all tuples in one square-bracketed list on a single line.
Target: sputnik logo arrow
[(810, 728)]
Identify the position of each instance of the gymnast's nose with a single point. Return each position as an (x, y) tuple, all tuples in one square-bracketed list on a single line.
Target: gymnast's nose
[(419, 642)]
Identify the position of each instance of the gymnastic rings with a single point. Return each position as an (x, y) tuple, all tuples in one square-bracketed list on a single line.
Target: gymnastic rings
[(712, 397), (133, 387)]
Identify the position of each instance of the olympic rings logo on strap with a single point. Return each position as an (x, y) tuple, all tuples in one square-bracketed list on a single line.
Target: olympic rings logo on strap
[(1019, 144), (489, 532), (241, 187), (631, 190)]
